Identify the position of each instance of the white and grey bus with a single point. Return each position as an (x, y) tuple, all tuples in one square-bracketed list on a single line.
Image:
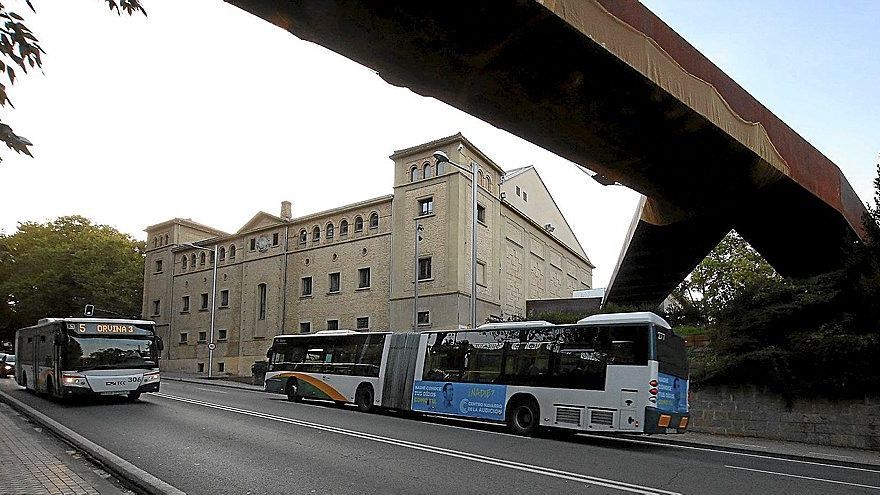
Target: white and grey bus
[(63, 357), (623, 372)]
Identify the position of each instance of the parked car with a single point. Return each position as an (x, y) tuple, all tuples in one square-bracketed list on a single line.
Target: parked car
[(7, 365)]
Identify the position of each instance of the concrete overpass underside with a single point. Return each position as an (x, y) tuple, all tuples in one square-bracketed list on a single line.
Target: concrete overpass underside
[(609, 86)]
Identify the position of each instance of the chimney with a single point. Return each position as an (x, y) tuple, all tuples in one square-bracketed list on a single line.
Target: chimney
[(285, 210)]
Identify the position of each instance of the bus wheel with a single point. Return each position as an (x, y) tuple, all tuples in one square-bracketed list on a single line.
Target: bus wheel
[(134, 395), (291, 392), (364, 398), (523, 417)]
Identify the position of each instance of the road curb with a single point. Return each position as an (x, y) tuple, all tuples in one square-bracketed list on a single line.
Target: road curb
[(210, 383), (740, 450), (138, 478)]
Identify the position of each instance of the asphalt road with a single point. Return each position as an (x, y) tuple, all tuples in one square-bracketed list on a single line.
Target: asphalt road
[(205, 439)]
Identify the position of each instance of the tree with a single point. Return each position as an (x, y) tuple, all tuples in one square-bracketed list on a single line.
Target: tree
[(20, 47), (55, 269), (725, 272)]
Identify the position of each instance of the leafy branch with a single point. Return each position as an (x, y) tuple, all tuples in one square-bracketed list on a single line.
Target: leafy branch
[(20, 48)]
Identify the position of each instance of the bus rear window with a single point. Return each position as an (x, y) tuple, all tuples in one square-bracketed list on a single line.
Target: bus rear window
[(671, 353)]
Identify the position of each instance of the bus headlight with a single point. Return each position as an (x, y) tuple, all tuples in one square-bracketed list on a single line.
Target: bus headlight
[(151, 377), (71, 380)]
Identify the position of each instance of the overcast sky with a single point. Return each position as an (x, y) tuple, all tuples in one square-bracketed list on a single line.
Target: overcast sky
[(203, 111)]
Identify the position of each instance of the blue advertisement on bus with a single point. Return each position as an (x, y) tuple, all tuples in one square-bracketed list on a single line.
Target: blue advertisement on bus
[(473, 400), (672, 393)]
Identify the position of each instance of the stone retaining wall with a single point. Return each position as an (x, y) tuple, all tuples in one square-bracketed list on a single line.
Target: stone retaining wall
[(753, 412)]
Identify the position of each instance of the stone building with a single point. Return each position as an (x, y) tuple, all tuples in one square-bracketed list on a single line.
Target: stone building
[(353, 267)]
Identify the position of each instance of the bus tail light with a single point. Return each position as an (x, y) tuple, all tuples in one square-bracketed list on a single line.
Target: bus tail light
[(653, 391), (663, 422), (653, 383)]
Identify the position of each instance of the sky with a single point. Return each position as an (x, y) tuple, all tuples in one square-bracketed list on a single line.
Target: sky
[(203, 111)]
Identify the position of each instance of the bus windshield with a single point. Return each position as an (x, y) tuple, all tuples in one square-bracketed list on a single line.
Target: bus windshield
[(84, 353)]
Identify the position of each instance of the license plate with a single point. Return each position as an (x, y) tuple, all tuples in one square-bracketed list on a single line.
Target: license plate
[(114, 393), (671, 430)]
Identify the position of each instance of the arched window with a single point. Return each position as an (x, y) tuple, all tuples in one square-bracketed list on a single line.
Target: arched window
[(303, 237), (316, 234), (155, 242), (343, 227), (232, 252), (166, 240), (441, 168), (329, 231), (428, 171), (183, 262), (482, 178), (358, 224), (414, 174), (192, 261), (374, 220), (222, 253), (202, 258), (211, 254)]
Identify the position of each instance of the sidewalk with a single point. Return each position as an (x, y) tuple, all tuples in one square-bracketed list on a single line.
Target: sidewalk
[(744, 445), (36, 463)]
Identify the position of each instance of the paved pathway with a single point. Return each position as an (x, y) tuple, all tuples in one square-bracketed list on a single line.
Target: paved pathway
[(37, 464)]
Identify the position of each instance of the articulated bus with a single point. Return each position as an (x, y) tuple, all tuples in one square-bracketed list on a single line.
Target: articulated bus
[(624, 372), (63, 357)]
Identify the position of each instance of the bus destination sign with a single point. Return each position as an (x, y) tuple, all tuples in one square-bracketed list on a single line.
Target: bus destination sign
[(109, 329)]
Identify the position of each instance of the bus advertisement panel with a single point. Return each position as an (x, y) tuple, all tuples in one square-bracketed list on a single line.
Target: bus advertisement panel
[(472, 400)]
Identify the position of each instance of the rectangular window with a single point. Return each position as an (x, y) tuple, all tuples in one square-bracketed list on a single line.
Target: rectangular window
[(185, 305), (204, 300), (157, 305), (518, 191), (525, 196), (158, 266), (363, 278), (334, 282), (481, 273), (183, 337), (481, 214), (424, 317), (200, 367), (305, 327), (424, 268), (253, 243), (221, 334), (332, 324), (261, 298), (224, 298), (275, 239), (306, 286), (426, 206), (203, 336), (221, 367), (363, 323)]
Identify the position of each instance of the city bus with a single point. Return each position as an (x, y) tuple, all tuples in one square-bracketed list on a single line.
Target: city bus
[(624, 372), (64, 357)]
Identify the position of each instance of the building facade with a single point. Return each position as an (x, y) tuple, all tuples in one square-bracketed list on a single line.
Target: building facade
[(354, 267)]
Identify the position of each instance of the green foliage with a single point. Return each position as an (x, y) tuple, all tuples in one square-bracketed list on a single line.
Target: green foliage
[(723, 274), (19, 47), (56, 268), (558, 317)]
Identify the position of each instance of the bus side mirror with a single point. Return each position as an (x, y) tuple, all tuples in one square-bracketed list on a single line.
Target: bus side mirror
[(269, 353), (159, 344)]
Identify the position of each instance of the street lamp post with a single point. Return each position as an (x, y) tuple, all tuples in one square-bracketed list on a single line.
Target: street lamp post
[(442, 157), (213, 303), (419, 229)]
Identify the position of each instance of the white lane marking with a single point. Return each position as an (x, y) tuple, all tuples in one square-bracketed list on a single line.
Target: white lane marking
[(211, 390), (749, 445), (832, 455), (743, 454), (805, 477), (554, 473)]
